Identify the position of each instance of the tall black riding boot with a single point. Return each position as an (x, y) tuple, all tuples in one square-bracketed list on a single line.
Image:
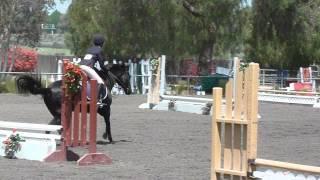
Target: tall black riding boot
[(102, 92)]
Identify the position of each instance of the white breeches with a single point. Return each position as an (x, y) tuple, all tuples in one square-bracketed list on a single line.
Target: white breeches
[(92, 74)]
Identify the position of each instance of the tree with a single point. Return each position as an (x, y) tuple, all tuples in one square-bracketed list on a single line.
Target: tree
[(140, 28), (216, 24), (54, 18), (285, 33), (63, 24), (20, 25)]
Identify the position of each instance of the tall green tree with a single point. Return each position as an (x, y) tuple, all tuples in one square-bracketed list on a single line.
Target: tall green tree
[(54, 19), (218, 27), (285, 33), (177, 28)]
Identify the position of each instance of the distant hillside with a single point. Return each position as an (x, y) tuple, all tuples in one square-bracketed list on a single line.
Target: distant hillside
[(52, 44), (52, 40)]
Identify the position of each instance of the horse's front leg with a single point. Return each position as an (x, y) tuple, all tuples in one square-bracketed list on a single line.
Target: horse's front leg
[(105, 112)]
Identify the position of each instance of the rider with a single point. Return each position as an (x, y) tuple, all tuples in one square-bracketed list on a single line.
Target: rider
[(93, 63)]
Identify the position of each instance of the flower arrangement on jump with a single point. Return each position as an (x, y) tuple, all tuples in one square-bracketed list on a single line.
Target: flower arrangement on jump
[(12, 144), (243, 66), (154, 63), (72, 78)]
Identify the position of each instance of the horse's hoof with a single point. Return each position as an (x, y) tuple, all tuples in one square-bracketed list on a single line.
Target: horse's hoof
[(111, 141), (105, 136)]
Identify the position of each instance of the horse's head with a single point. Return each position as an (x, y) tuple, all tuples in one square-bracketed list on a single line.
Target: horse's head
[(122, 76)]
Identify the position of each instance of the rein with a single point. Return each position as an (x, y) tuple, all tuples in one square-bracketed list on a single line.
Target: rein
[(116, 79)]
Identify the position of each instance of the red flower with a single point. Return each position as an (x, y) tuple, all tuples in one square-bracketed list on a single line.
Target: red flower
[(7, 141)]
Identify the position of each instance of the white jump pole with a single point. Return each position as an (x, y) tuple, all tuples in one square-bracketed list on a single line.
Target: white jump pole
[(145, 66), (163, 75), (132, 75), (59, 70)]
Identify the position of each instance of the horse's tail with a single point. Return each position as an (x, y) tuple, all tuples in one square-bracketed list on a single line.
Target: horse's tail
[(28, 84)]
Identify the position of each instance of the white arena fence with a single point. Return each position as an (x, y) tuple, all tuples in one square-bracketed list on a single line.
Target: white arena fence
[(49, 68), (290, 97), (46, 78)]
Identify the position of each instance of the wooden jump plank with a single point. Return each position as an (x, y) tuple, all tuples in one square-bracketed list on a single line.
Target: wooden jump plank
[(232, 172), (29, 126), (93, 118), (288, 166), (76, 122), (84, 109), (231, 121), (228, 134)]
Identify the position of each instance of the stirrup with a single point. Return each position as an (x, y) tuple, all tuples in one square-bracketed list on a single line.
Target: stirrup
[(101, 97), (101, 104)]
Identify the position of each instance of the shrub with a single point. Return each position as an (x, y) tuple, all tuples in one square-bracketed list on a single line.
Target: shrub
[(25, 60), (7, 85)]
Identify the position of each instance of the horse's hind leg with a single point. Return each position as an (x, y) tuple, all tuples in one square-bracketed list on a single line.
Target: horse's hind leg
[(54, 121), (105, 112)]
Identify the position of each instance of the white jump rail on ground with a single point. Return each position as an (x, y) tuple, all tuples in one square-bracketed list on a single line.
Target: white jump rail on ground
[(184, 104), (38, 144)]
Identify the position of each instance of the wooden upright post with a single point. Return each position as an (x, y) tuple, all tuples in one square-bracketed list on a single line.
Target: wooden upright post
[(234, 132), (216, 134), (252, 110), (154, 87)]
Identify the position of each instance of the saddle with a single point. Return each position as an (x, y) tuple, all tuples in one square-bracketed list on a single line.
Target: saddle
[(102, 92)]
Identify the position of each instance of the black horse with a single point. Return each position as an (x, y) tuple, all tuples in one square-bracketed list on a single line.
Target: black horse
[(117, 73)]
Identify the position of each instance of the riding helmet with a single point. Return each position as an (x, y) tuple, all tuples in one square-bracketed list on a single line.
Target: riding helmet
[(98, 40)]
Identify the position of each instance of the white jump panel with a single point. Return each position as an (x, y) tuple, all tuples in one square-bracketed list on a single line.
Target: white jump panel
[(291, 99), (185, 98), (182, 106), (37, 145), (28, 126), (283, 175)]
